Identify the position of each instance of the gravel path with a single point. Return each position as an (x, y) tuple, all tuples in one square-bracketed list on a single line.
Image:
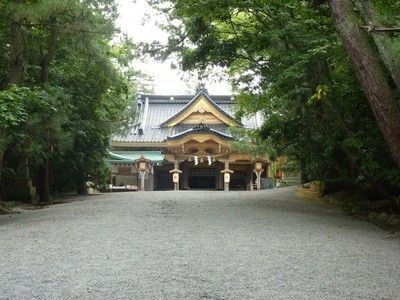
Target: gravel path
[(195, 245)]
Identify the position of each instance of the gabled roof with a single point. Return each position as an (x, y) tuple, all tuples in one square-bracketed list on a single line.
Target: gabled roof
[(125, 157), (200, 104), (200, 129), (157, 109)]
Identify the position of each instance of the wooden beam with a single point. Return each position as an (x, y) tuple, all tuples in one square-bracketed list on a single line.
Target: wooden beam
[(387, 29), (372, 28)]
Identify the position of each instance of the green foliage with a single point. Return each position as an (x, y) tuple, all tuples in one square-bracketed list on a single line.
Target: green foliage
[(28, 116), (249, 141), (286, 60), (11, 107), (13, 114), (88, 95)]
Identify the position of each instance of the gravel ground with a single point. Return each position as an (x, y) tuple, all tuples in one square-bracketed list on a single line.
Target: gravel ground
[(195, 245)]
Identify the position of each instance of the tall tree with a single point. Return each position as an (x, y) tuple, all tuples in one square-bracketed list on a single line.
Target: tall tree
[(13, 115), (17, 48), (380, 29), (67, 59), (370, 72)]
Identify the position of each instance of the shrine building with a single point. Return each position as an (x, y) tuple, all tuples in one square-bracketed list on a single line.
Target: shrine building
[(184, 142)]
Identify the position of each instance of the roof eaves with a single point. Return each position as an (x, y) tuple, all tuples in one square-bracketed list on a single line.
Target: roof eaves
[(228, 136), (180, 133), (202, 129)]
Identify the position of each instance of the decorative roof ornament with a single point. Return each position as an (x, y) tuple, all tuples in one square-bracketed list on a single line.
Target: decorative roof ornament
[(201, 126), (201, 87)]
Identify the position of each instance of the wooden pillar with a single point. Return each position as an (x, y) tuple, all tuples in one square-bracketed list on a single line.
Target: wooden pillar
[(151, 178), (227, 175), (175, 175)]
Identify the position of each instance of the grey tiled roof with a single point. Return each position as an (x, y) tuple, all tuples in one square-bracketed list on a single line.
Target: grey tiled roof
[(156, 109)]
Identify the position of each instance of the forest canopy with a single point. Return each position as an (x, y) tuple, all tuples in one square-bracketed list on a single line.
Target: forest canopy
[(65, 87), (325, 74)]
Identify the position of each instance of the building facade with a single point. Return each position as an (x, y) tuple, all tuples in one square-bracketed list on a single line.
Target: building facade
[(184, 142)]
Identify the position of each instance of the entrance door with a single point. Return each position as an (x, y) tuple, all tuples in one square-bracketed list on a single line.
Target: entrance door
[(238, 180), (202, 177), (202, 182), (162, 178)]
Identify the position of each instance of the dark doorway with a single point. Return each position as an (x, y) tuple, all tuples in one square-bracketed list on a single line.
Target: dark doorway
[(202, 182), (238, 180), (163, 179)]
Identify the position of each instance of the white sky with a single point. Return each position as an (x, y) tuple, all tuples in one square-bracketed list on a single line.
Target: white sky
[(135, 21)]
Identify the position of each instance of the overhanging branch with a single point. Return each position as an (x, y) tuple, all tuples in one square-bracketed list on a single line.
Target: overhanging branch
[(372, 28)]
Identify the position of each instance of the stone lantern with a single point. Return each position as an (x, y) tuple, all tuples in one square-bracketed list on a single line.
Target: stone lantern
[(143, 166)]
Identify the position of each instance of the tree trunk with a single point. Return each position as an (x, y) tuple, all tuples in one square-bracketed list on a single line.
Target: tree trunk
[(17, 53), (1, 169), (43, 183), (51, 49), (370, 74), (303, 173), (80, 183), (44, 172), (382, 40)]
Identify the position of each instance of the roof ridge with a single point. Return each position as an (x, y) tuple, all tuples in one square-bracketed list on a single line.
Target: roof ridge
[(176, 98), (193, 100)]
